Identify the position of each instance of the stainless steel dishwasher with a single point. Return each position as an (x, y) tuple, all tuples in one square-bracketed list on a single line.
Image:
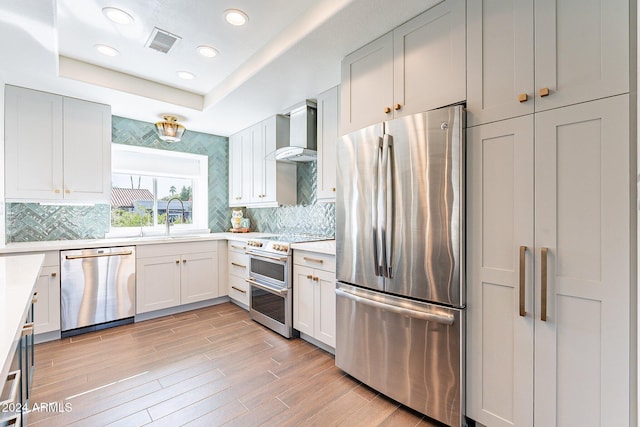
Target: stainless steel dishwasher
[(97, 288)]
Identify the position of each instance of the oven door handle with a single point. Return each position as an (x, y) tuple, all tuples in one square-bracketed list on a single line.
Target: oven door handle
[(279, 292), (257, 255)]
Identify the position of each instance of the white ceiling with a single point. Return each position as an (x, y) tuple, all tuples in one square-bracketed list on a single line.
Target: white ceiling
[(288, 51)]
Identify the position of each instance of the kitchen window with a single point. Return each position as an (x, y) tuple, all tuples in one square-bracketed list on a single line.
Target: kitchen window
[(146, 181)]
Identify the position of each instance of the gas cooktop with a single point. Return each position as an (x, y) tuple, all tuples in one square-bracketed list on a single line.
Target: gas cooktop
[(280, 244)]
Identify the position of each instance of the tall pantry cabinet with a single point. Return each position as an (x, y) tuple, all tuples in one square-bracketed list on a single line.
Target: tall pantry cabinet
[(550, 217)]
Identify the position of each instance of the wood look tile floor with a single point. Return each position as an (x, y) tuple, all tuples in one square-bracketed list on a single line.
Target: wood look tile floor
[(207, 367)]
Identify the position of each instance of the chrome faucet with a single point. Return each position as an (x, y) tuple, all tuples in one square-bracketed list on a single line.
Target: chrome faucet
[(168, 203)]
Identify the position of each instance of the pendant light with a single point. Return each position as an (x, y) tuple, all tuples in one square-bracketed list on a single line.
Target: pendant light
[(169, 129)]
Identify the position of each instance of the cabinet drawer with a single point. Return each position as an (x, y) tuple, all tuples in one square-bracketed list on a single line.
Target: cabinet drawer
[(239, 289), (238, 264), (236, 246), (315, 260)]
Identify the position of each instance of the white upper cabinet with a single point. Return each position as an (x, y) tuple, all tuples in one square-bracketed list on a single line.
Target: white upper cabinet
[(56, 148), (417, 67), (580, 52), (327, 143), (367, 85), (255, 178)]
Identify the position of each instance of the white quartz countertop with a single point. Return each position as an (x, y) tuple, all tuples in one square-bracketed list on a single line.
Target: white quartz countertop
[(323, 247), (18, 276), (56, 245)]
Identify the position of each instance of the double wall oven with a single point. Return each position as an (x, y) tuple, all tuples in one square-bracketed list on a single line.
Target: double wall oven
[(270, 278)]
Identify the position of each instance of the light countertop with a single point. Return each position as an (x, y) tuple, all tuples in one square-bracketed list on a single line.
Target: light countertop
[(56, 245), (18, 276), (323, 247)]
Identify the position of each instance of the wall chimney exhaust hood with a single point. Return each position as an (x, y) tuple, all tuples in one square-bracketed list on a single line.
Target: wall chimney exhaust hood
[(302, 135)]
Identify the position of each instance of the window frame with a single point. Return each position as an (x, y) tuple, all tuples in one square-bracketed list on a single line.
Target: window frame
[(155, 163)]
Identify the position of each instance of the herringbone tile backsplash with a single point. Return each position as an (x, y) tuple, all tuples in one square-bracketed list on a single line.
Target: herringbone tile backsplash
[(34, 222)]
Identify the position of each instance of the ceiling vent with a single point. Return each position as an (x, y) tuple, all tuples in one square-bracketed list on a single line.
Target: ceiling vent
[(161, 40)]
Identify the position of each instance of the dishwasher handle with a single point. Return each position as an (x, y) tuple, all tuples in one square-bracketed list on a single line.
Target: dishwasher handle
[(123, 253)]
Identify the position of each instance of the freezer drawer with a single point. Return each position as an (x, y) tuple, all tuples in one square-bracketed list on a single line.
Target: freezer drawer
[(407, 350)]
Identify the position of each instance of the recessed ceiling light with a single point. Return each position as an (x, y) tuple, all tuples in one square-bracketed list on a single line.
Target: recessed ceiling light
[(235, 17), (118, 16), (207, 51), (185, 75), (106, 50)]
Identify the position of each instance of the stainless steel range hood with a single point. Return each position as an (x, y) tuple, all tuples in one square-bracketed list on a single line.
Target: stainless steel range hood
[(302, 135)]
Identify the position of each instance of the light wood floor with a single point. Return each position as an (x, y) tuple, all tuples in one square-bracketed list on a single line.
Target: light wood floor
[(207, 367)]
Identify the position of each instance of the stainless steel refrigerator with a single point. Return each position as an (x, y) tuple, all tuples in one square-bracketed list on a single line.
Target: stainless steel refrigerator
[(400, 258)]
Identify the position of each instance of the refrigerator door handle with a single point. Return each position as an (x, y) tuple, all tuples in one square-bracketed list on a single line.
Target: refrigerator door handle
[(387, 158), (446, 319), (375, 213), (382, 205)]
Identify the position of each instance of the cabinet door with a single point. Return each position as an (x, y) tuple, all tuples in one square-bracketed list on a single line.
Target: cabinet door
[(47, 309), (87, 150), (583, 218), (303, 299), (325, 307), (157, 283), (499, 222), (499, 60), (582, 50), (33, 144), (199, 277), (367, 85), (235, 170), (327, 143), (429, 65), (258, 153)]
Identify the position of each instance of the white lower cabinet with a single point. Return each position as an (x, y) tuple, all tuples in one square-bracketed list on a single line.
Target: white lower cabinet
[(238, 268), (46, 310), (168, 275), (314, 298), (549, 268)]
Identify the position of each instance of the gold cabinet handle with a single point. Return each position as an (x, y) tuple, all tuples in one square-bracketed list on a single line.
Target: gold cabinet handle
[(34, 298), (242, 248), (315, 279), (27, 329), (319, 261), (387, 110), (523, 251), (523, 97), (54, 274), (544, 92), (13, 378), (239, 290), (235, 264), (309, 276), (397, 107), (333, 189), (543, 284), (177, 261), (67, 191), (184, 261), (57, 191)]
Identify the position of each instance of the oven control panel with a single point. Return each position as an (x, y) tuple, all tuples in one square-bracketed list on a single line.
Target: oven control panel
[(281, 248), (254, 243)]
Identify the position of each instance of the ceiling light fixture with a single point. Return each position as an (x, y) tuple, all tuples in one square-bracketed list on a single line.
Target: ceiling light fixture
[(185, 75), (118, 16), (169, 129), (207, 51), (236, 17), (106, 50)]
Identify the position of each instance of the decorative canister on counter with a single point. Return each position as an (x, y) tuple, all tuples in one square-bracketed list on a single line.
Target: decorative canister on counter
[(245, 223)]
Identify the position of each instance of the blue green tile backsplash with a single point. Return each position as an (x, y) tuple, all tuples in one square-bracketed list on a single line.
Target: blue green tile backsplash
[(34, 222)]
